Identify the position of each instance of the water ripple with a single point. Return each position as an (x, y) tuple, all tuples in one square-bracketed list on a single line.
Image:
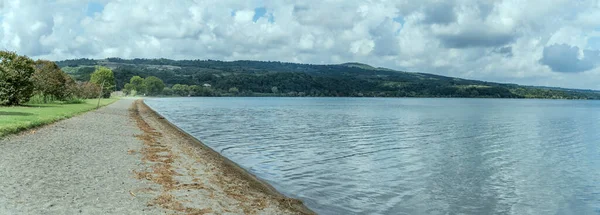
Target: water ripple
[(409, 156)]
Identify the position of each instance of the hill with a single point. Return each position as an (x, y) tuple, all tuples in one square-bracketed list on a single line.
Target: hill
[(261, 78)]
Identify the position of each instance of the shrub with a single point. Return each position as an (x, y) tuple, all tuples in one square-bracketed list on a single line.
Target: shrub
[(40, 98), (86, 90)]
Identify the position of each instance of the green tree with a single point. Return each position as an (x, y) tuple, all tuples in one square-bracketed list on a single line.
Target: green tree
[(167, 91), (138, 84), (154, 86), (196, 90), (103, 76), (234, 90), (181, 89), (129, 89), (16, 86), (49, 80)]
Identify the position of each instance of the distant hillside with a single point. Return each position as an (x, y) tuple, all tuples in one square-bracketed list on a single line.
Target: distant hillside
[(358, 65), (259, 78)]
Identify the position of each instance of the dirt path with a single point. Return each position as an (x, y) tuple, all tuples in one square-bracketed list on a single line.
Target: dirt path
[(126, 159), (78, 165)]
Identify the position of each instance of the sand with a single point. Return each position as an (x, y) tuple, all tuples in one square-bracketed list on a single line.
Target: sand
[(126, 159)]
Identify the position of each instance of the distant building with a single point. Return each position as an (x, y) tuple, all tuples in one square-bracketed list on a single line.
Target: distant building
[(206, 85)]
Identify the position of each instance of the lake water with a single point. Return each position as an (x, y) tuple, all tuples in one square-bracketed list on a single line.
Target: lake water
[(409, 156)]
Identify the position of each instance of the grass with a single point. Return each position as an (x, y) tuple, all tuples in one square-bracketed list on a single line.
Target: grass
[(18, 118)]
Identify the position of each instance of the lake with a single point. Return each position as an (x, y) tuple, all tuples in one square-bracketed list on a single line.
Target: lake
[(408, 156)]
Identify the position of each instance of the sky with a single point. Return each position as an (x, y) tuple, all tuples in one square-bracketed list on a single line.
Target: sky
[(530, 42)]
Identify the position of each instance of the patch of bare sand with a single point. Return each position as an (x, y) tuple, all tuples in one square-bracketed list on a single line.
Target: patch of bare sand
[(194, 179)]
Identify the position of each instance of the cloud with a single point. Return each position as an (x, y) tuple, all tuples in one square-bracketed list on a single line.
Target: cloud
[(477, 25), (386, 41), (565, 58), (476, 38), (439, 13), (496, 40), (506, 51)]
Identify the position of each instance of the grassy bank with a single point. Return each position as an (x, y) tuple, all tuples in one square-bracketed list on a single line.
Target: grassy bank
[(19, 118)]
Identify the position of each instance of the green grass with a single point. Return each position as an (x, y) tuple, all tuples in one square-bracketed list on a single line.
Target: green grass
[(19, 118)]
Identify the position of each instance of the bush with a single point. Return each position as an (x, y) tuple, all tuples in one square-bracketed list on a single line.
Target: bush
[(16, 86), (86, 90), (39, 98)]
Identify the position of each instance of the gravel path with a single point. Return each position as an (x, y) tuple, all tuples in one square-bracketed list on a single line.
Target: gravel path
[(126, 159), (79, 165)]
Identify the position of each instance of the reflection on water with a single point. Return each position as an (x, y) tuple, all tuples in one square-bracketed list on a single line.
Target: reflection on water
[(409, 156)]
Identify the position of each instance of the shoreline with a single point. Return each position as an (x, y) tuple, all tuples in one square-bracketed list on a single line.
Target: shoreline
[(230, 169), (375, 97)]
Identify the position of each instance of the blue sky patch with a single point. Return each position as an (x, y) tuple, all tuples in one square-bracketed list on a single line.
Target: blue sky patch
[(399, 19), (260, 12), (594, 43), (94, 7)]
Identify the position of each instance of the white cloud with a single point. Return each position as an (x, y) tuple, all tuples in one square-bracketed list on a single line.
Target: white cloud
[(499, 40)]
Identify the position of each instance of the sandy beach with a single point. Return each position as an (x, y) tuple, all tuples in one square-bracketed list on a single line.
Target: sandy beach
[(126, 159)]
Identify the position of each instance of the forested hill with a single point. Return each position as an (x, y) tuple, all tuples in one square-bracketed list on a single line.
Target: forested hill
[(259, 78)]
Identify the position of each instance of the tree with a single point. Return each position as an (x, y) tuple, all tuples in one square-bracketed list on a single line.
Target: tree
[(103, 76), (49, 80), (154, 85), (16, 86), (70, 86), (234, 90), (138, 84), (196, 90), (181, 89), (129, 89), (167, 91)]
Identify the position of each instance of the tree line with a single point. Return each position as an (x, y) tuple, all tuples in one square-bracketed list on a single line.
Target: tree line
[(260, 78), (165, 77), (23, 79)]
